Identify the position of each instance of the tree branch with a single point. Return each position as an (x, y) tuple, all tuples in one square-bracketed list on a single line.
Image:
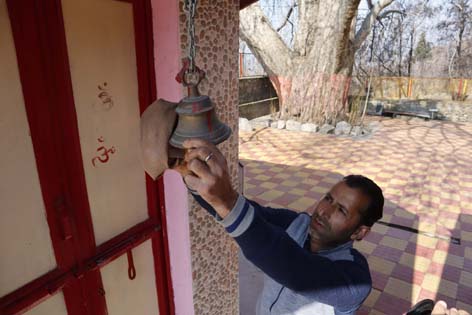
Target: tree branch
[(360, 69), (369, 22), (307, 19), (263, 41), (383, 65), (457, 5), (388, 12), (369, 4), (289, 13)]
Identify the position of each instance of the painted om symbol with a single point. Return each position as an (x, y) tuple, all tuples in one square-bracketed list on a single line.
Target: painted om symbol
[(104, 96), (103, 153)]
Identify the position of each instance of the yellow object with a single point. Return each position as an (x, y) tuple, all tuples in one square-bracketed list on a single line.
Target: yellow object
[(410, 87)]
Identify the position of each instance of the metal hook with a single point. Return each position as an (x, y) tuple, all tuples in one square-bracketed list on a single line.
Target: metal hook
[(131, 268)]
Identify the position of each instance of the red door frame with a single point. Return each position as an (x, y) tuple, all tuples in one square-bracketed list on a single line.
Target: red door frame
[(45, 80), (37, 27), (155, 190)]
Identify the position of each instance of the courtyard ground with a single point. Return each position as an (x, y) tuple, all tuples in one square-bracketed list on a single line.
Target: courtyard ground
[(425, 171)]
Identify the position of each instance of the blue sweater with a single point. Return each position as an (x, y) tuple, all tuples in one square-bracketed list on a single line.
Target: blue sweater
[(298, 281)]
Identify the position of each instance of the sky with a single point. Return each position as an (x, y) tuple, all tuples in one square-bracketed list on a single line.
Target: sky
[(276, 10)]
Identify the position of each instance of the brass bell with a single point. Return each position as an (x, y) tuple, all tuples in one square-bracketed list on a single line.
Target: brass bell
[(197, 119)]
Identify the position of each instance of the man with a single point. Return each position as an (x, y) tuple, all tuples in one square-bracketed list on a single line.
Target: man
[(309, 262)]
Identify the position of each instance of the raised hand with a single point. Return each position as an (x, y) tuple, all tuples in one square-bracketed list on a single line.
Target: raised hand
[(209, 177)]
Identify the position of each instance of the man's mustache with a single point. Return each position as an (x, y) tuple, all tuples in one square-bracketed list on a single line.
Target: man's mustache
[(322, 220)]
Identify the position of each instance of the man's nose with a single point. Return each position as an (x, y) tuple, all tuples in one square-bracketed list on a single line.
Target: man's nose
[(326, 209)]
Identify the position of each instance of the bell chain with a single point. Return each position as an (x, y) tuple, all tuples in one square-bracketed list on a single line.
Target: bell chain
[(190, 7)]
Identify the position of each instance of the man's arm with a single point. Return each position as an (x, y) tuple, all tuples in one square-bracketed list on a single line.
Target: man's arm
[(343, 284), (278, 217)]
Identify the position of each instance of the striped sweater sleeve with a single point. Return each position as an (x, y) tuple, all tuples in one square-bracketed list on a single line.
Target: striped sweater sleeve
[(243, 212)]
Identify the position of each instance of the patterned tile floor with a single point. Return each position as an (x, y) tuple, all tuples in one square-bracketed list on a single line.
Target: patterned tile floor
[(425, 171)]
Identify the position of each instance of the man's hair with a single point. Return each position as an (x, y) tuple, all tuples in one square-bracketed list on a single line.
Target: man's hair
[(374, 210)]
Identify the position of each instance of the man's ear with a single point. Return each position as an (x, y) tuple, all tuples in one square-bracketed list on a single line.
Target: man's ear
[(360, 233)]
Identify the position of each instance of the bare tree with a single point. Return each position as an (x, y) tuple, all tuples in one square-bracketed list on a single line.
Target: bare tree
[(311, 76), (390, 48), (457, 25)]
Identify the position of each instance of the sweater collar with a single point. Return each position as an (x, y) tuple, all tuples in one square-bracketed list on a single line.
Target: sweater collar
[(347, 245), (338, 248)]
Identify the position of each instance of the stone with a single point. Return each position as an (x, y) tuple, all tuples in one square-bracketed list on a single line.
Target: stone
[(308, 127), (281, 124), (244, 124), (274, 124), (293, 125), (356, 131), (373, 126), (327, 129), (342, 128), (260, 123)]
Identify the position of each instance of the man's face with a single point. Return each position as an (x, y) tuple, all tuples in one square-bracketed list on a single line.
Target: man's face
[(336, 217)]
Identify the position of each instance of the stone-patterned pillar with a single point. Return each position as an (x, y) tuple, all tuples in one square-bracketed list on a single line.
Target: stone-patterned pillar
[(214, 254)]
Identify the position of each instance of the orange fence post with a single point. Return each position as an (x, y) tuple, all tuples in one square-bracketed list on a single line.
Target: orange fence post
[(399, 83), (410, 87), (459, 90)]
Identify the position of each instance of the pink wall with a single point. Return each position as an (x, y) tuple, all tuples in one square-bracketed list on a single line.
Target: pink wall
[(167, 63)]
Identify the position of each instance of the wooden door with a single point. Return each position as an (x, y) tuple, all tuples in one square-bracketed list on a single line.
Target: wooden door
[(82, 226)]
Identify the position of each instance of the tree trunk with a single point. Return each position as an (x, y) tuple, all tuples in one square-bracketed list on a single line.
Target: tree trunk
[(313, 78), (309, 96), (410, 53), (400, 48)]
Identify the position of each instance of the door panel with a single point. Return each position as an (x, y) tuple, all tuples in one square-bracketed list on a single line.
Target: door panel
[(125, 296), (77, 68), (24, 231), (52, 306), (101, 49)]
